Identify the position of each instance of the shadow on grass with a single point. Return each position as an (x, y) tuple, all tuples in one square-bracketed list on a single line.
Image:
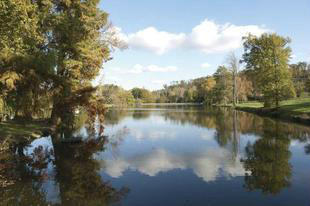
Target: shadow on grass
[(16, 129), (300, 108)]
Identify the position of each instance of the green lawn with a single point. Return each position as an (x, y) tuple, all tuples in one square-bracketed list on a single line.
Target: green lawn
[(22, 129), (251, 104), (297, 106)]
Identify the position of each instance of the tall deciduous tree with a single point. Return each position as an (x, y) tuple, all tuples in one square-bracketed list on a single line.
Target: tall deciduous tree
[(300, 75), (224, 87), (208, 87), (50, 51), (80, 49), (25, 61), (233, 64), (268, 56)]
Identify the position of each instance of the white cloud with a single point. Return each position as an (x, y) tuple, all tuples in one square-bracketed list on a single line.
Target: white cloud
[(208, 164), (205, 65), (138, 68), (153, 40), (208, 37)]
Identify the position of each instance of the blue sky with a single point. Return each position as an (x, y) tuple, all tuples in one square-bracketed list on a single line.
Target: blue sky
[(170, 40)]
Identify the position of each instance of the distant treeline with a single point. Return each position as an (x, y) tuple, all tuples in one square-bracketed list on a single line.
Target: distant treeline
[(266, 76)]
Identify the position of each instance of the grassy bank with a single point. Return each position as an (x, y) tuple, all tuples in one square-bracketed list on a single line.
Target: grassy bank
[(18, 131), (296, 110)]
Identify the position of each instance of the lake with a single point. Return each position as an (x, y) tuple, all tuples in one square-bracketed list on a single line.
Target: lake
[(177, 155)]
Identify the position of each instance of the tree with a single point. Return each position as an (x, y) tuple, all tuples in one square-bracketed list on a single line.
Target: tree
[(50, 51), (115, 95), (77, 28), (136, 93), (143, 95), (25, 60), (233, 64), (223, 87), (208, 87), (245, 87), (268, 56), (299, 75), (147, 96)]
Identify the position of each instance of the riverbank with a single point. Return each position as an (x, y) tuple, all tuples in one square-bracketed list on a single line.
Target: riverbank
[(21, 131), (294, 110)]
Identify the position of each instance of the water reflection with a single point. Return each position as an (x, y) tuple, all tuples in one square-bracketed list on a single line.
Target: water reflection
[(255, 148), (267, 160), (206, 164), (54, 173), (150, 152)]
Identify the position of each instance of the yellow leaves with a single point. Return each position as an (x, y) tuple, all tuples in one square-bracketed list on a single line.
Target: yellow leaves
[(209, 84), (1, 107), (9, 78)]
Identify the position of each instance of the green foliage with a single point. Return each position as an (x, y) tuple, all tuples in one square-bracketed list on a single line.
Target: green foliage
[(50, 51), (224, 85), (142, 95), (115, 95), (136, 93), (24, 60), (209, 90), (80, 51), (300, 77), (182, 92), (215, 89), (268, 56)]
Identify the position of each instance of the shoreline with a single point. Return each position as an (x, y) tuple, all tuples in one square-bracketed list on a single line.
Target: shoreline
[(277, 114)]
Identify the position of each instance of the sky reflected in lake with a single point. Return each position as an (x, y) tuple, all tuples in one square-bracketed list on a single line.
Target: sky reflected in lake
[(200, 157), (169, 156)]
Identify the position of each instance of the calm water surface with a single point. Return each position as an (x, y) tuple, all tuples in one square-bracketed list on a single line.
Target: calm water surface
[(170, 156)]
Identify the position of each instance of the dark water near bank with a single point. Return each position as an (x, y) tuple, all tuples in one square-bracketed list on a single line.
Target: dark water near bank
[(169, 156)]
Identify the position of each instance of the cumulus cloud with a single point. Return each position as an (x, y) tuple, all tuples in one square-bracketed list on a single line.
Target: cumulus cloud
[(156, 41), (205, 65), (208, 164), (208, 37), (138, 68)]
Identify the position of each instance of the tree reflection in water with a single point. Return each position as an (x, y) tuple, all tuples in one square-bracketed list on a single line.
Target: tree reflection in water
[(70, 169), (73, 171), (77, 171), (307, 149), (267, 160)]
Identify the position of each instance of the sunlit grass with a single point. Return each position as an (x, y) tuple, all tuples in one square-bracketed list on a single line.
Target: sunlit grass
[(21, 128), (292, 106), (251, 104)]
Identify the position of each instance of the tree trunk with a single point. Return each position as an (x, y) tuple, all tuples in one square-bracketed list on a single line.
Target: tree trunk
[(54, 120), (234, 89)]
